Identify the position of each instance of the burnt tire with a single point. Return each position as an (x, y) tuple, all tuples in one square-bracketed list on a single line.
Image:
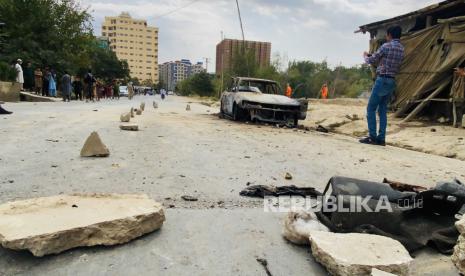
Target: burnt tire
[(238, 113)]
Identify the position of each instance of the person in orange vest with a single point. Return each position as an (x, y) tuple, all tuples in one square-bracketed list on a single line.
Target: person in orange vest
[(324, 91), (288, 91)]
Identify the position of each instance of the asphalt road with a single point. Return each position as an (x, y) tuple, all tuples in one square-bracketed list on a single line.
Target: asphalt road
[(179, 152)]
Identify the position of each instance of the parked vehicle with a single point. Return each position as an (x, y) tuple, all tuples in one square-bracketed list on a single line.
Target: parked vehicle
[(123, 91), (261, 100)]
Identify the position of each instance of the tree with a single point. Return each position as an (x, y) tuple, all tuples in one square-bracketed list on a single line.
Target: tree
[(106, 65), (199, 84), (46, 32)]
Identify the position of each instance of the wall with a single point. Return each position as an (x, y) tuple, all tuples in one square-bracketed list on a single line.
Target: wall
[(9, 91)]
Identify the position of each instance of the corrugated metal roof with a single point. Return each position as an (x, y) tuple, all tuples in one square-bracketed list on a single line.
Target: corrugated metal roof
[(421, 12)]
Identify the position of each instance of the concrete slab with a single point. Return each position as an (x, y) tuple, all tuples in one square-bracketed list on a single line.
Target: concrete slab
[(50, 225), (346, 254)]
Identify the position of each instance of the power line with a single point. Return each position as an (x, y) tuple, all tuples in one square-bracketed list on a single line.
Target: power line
[(177, 9)]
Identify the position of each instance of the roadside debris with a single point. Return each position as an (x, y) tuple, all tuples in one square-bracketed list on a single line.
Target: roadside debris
[(321, 128), (264, 263), (125, 117), (43, 225), (132, 112), (130, 127), (458, 257), (298, 225), (188, 107), (354, 117), (155, 104), (435, 209), (288, 176), (358, 254), (189, 198), (262, 190), (94, 147), (142, 106)]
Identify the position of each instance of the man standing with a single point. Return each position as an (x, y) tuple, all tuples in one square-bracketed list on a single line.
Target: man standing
[(19, 73), (389, 59), (66, 87), (288, 91), (324, 91), (77, 87), (89, 81), (130, 90), (38, 80)]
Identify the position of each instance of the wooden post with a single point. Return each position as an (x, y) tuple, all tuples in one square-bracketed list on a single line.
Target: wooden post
[(424, 102)]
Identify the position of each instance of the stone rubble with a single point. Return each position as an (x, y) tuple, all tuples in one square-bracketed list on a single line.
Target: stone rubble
[(357, 254), (125, 117), (130, 127), (94, 147), (458, 257)]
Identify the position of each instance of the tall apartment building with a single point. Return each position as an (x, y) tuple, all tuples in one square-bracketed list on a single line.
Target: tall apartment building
[(226, 49), (135, 42), (173, 72)]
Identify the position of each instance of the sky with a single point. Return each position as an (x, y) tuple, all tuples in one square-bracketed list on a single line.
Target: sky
[(313, 30)]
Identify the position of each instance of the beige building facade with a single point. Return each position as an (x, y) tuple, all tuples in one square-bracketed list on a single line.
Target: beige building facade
[(135, 42)]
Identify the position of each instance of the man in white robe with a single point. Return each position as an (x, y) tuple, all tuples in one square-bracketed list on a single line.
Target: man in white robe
[(19, 73)]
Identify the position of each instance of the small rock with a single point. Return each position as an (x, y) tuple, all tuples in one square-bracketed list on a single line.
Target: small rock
[(125, 117), (443, 120), (142, 106), (155, 104), (130, 127), (54, 166), (189, 198), (433, 130), (288, 176), (11, 181), (188, 107), (132, 112), (138, 112), (94, 147), (362, 160)]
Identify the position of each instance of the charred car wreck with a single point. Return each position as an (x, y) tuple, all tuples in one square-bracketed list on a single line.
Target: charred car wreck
[(261, 100)]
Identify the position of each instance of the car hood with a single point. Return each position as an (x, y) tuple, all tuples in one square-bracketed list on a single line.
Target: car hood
[(266, 98)]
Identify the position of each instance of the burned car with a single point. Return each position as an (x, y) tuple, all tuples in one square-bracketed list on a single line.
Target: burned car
[(261, 100)]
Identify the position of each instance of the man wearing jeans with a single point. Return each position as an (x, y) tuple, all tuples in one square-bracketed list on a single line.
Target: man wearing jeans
[(388, 58)]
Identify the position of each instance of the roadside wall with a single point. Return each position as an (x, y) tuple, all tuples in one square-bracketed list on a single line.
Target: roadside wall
[(9, 91)]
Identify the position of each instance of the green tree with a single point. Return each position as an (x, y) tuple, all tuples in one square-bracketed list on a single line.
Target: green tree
[(46, 32), (199, 84)]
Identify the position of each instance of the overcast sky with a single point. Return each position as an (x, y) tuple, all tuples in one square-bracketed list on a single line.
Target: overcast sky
[(299, 29)]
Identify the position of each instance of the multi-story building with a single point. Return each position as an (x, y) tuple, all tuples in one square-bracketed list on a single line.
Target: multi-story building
[(226, 49), (173, 72), (135, 42), (198, 68)]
